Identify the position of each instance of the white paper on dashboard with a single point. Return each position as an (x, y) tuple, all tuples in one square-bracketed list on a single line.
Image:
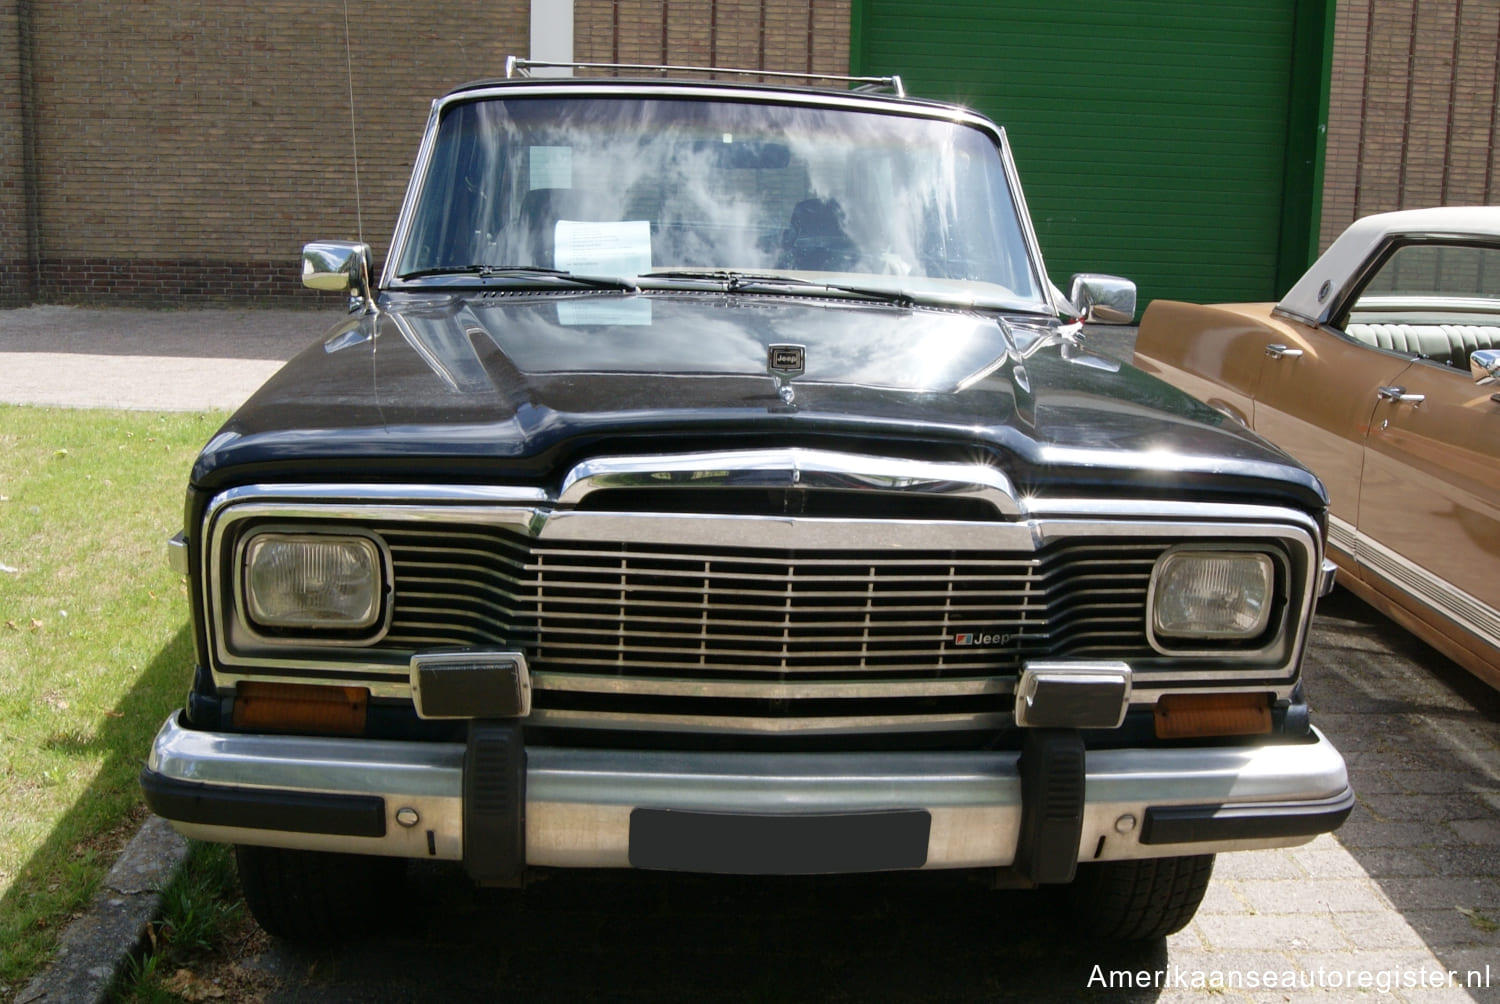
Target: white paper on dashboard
[(619, 248)]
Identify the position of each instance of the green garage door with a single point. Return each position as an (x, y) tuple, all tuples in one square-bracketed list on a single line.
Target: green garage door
[(1173, 142)]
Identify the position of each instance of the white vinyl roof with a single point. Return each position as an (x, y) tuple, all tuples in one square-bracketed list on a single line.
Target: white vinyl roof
[(1322, 286)]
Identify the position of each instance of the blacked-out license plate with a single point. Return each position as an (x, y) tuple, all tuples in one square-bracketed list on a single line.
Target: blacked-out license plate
[(737, 844)]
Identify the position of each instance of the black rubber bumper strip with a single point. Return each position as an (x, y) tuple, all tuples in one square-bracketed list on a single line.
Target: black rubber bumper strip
[(263, 809), (495, 803), (1191, 824), (1053, 771)]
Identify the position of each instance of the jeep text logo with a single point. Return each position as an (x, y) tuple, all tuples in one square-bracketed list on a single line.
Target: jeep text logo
[(786, 360), (967, 638)]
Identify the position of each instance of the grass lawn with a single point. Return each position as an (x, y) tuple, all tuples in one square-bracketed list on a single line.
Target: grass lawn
[(94, 649)]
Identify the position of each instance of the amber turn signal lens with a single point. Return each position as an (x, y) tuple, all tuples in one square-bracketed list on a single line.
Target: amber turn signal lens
[(295, 707), (1191, 716)]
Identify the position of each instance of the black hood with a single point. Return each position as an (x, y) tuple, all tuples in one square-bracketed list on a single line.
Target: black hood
[(518, 387)]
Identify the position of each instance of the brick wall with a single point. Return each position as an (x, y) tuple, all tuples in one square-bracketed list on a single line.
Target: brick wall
[(798, 36), (15, 244), (186, 151), (1413, 117)]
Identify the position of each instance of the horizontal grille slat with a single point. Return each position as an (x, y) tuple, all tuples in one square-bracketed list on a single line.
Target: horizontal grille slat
[(727, 625), (915, 668)]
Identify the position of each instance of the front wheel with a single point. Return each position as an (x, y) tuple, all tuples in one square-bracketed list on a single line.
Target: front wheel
[(317, 897), (1138, 900)]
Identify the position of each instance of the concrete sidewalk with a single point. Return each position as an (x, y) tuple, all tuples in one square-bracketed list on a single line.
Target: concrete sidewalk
[(152, 360)]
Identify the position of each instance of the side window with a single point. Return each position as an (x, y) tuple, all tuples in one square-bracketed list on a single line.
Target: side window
[(1436, 301)]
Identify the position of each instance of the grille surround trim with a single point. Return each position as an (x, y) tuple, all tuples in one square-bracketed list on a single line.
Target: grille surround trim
[(518, 511)]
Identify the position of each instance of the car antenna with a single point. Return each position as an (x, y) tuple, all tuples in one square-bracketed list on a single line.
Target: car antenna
[(359, 218)]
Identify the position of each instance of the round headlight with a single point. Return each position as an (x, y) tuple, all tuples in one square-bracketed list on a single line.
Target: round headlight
[(1216, 595)]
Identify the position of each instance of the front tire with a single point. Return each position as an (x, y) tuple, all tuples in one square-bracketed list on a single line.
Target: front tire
[(316, 897), (1138, 900)]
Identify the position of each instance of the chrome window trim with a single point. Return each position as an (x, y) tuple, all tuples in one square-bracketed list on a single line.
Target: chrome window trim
[(525, 510)]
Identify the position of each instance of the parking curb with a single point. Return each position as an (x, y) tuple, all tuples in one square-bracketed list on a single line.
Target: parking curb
[(93, 950)]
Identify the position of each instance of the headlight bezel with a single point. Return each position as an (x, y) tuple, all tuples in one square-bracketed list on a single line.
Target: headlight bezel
[(366, 631), (1268, 635)]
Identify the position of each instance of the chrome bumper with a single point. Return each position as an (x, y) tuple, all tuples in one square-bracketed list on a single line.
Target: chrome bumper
[(407, 799)]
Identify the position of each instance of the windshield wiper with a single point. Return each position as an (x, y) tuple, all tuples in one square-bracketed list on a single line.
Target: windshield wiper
[(525, 272), (730, 279), (740, 282)]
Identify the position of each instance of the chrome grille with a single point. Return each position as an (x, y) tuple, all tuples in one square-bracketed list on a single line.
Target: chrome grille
[(661, 636), (746, 613)]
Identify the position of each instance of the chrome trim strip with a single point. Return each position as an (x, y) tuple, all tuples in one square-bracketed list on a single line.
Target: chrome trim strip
[(782, 690), (786, 532), (747, 725), (1342, 535), (1043, 507), (379, 494), (578, 802), (1028, 228), (407, 213), (790, 468), (1432, 591), (1203, 683), (1034, 506)]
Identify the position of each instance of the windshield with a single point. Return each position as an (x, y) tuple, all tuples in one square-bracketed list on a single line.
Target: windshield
[(630, 186)]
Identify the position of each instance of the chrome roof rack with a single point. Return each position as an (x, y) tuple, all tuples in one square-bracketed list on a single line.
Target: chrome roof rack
[(517, 67)]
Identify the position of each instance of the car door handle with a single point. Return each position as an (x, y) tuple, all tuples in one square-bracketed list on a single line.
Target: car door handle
[(1400, 395), (1283, 352)]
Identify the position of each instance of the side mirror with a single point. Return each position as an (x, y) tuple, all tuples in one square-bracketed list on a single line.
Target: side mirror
[(1103, 299), (1484, 364), (337, 267)]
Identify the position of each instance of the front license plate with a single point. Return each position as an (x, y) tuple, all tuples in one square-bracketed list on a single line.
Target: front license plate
[(733, 844)]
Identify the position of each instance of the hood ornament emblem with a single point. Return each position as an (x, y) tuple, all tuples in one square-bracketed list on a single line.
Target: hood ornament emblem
[(785, 362)]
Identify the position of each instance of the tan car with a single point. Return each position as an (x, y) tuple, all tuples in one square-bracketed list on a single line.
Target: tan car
[(1377, 371)]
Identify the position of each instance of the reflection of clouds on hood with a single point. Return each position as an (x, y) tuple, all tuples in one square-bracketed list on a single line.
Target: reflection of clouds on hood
[(874, 348)]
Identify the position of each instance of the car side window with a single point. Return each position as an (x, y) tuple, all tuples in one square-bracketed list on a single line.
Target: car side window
[(1437, 301)]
